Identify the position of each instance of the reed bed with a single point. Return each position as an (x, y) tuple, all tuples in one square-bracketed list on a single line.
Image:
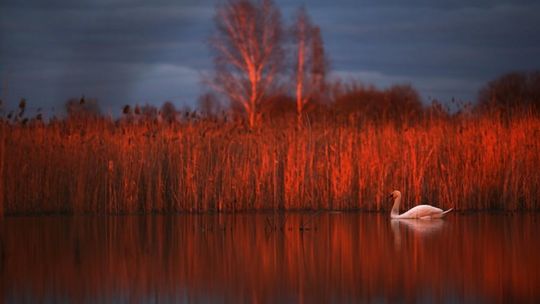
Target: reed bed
[(100, 166)]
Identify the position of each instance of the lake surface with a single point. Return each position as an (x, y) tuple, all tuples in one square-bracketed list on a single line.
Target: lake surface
[(266, 258)]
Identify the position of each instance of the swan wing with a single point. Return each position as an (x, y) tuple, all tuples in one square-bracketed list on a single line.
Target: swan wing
[(422, 211), (440, 215)]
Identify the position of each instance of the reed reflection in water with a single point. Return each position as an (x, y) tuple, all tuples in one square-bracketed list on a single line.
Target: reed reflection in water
[(265, 258)]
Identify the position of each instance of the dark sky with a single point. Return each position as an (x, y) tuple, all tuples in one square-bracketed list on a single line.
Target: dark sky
[(123, 51)]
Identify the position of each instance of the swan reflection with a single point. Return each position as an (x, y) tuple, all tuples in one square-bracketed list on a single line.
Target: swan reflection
[(418, 227)]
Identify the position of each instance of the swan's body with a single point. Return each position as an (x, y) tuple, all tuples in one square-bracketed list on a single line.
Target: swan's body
[(418, 212)]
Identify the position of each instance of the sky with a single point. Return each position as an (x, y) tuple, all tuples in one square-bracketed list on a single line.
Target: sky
[(132, 51)]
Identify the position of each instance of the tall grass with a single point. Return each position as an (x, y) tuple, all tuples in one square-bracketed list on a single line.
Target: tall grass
[(100, 166)]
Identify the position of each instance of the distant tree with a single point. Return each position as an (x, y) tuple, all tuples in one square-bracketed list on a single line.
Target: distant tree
[(355, 97), (399, 103), (248, 52), (209, 105), (511, 92), (310, 62), (279, 106), (168, 112), (82, 108), (404, 103), (148, 112)]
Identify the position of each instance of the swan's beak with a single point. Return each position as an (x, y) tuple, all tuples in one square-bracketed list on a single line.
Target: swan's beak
[(390, 196)]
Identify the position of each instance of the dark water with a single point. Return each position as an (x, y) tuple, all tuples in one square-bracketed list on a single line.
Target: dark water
[(347, 257)]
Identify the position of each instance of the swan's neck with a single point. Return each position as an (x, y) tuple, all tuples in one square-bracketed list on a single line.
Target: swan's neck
[(395, 207)]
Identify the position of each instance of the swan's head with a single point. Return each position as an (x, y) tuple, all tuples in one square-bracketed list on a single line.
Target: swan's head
[(395, 194)]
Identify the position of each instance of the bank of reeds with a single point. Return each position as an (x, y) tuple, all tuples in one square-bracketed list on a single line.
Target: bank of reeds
[(105, 167)]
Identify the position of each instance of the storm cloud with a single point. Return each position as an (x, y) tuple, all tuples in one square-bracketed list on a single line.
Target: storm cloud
[(139, 51)]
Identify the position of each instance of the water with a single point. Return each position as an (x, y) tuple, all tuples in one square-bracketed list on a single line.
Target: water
[(340, 257)]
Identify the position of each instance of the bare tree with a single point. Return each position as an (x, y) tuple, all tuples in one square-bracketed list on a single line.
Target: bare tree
[(511, 92), (310, 63), (248, 48)]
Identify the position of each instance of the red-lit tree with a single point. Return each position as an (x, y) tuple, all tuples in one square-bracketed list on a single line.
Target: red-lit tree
[(248, 53), (310, 61)]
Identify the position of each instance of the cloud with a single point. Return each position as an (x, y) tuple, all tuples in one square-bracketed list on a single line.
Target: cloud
[(51, 53), (421, 41), (167, 82), (123, 51)]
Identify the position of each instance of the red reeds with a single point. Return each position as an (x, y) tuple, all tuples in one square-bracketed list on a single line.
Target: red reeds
[(99, 166)]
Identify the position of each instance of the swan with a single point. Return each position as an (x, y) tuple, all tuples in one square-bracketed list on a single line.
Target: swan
[(418, 212)]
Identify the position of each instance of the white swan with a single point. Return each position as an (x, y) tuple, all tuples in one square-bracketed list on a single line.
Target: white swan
[(418, 212)]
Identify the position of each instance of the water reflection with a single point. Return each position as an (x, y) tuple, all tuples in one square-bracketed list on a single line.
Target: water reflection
[(261, 258), (419, 227)]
